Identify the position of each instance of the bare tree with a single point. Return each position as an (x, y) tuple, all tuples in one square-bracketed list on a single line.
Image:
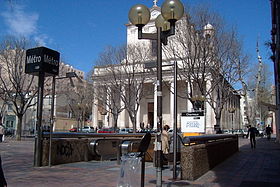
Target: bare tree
[(18, 86), (73, 93), (208, 57), (80, 100), (107, 88), (225, 71), (133, 76), (3, 104), (263, 90), (123, 77), (256, 89), (109, 100)]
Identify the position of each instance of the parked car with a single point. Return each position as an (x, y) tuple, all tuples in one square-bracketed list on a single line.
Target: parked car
[(240, 132), (147, 130), (74, 129), (226, 131), (260, 132), (126, 130), (46, 128), (88, 129), (106, 130), (9, 132)]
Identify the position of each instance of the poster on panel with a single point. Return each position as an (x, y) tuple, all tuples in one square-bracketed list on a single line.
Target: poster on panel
[(193, 122)]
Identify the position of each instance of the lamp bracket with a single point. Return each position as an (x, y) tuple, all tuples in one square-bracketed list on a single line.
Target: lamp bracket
[(148, 36), (153, 36)]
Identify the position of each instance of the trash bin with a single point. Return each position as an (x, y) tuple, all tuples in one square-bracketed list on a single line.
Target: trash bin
[(130, 170)]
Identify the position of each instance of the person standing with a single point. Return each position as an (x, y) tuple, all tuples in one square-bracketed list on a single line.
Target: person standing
[(252, 132), (3, 182), (268, 131), (165, 140), (1, 132)]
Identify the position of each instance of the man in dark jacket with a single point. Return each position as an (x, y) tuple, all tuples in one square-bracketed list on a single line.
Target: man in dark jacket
[(2, 130), (268, 131), (252, 132), (3, 182)]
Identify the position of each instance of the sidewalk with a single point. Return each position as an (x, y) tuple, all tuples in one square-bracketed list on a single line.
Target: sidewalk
[(259, 167)]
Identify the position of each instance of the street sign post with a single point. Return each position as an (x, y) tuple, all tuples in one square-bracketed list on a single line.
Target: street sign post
[(42, 59), (41, 62)]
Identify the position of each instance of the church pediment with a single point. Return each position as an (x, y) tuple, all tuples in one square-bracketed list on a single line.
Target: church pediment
[(155, 11)]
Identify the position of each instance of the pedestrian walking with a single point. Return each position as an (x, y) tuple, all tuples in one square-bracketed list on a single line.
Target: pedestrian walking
[(3, 182), (252, 132), (1, 133), (268, 131), (219, 131)]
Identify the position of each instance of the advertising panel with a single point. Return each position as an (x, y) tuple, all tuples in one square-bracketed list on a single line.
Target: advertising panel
[(193, 122)]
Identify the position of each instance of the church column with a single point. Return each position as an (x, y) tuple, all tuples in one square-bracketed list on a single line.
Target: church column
[(209, 113), (107, 116), (95, 112), (138, 117), (171, 104), (122, 117), (189, 104)]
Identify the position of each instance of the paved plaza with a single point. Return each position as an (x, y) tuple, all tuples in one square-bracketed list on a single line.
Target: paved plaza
[(254, 168)]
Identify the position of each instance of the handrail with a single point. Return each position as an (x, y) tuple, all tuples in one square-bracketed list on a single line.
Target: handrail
[(188, 140), (183, 140), (92, 147), (93, 135)]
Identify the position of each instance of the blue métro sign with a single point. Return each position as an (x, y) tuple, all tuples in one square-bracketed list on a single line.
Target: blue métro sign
[(42, 59)]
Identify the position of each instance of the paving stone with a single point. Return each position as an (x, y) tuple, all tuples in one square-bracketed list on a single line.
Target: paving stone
[(257, 167)]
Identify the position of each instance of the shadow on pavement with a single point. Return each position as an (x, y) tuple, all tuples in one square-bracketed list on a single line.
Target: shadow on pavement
[(248, 167)]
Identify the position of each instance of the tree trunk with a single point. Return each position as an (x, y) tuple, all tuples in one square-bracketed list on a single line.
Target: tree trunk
[(83, 118), (115, 120), (134, 124), (132, 116), (218, 119), (218, 108), (133, 120), (79, 128), (19, 127)]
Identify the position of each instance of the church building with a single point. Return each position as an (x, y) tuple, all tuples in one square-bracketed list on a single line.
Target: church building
[(146, 99)]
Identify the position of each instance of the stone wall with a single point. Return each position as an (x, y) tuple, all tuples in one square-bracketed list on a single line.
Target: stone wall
[(64, 124), (66, 151), (198, 159)]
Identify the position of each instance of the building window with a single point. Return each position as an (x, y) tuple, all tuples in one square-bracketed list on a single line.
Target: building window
[(10, 107), (10, 124), (50, 100)]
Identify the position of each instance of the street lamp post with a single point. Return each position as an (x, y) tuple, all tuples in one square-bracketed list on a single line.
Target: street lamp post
[(139, 15), (68, 75), (175, 66), (175, 123)]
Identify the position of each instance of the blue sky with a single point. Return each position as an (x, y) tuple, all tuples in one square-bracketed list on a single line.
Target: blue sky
[(81, 29)]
